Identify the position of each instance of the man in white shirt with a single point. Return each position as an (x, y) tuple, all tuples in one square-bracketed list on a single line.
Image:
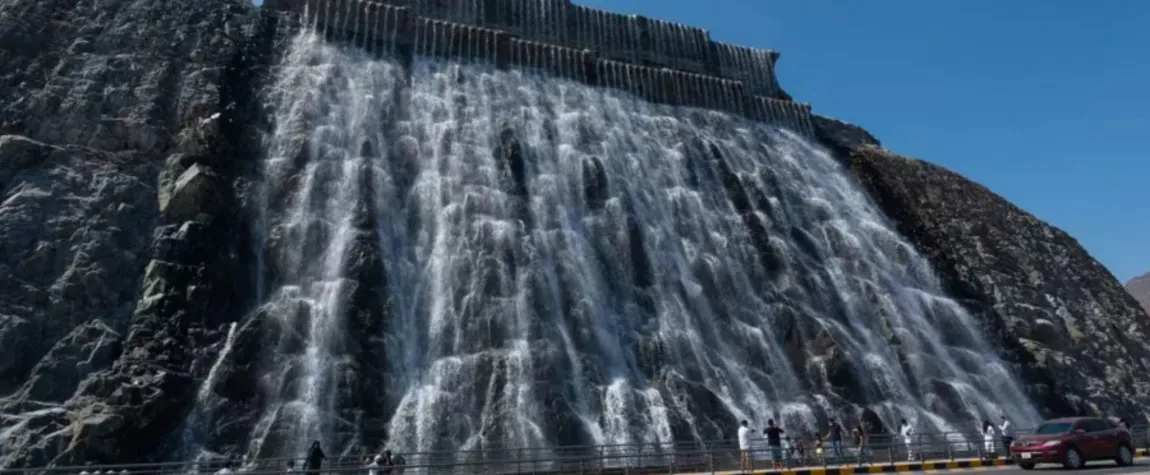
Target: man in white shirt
[(906, 431), (373, 467), (745, 446), (1007, 434)]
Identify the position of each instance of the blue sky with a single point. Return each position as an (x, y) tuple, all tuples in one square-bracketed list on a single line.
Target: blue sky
[(1046, 102)]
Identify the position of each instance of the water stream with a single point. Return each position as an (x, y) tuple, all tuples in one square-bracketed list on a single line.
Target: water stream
[(569, 265)]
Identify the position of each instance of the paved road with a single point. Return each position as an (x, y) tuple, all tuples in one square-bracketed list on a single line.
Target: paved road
[(1140, 467)]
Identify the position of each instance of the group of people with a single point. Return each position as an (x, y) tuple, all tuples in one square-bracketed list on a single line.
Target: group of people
[(777, 446), (774, 444), (990, 433), (386, 463)]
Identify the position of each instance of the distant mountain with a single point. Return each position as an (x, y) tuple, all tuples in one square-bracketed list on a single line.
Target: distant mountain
[(1139, 287)]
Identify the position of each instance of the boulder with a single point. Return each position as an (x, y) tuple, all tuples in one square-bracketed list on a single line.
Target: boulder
[(196, 191)]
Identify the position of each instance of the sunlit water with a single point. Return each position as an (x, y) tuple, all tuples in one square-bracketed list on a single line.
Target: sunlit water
[(641, 273)]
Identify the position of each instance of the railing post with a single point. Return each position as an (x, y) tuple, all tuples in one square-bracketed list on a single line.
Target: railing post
[(710, 459), (639, 459), (601, 460), (519, 461)]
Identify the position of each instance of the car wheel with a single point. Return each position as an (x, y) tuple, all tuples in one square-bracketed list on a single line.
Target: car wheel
[(1073, 459), (1125, 456), (1026, 466)]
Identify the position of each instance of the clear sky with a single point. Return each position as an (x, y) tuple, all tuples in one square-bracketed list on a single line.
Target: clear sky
[(1046, 102)]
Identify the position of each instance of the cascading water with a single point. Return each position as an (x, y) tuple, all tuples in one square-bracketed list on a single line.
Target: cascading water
[(327, 113), (570, 265)]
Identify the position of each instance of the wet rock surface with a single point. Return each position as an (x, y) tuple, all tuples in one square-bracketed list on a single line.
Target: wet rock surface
[(115, 259), (1061, 319)]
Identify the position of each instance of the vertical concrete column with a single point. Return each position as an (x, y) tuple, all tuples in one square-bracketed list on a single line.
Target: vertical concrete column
[(400, 28), (741, 104), (644, 38), (372, 35), (806, 122), (667, 78), (504, 49), (310, 14)]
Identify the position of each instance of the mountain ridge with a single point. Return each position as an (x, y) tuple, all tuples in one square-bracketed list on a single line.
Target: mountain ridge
[(1139, 287)]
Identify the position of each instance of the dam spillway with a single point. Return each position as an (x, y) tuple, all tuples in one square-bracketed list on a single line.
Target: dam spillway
[(658, 61), (470, 241)]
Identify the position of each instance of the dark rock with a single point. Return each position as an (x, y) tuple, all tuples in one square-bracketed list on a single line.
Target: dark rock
[(1061, 319), (104, 311), (196, 191), (90, 347)]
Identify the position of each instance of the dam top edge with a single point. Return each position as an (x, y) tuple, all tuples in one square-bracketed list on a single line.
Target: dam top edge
[(631, 38)]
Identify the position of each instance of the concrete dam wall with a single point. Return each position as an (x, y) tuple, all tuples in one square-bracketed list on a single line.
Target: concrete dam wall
[(657, 60)]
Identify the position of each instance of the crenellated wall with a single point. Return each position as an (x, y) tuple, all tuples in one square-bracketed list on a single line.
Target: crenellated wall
[(658, 60)]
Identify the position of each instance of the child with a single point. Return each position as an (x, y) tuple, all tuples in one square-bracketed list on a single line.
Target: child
[(798, 447)]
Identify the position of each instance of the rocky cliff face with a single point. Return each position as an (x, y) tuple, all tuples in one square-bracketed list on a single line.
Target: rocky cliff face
[(127, 138), (1139, 287), (1064, 322), (121, 157)]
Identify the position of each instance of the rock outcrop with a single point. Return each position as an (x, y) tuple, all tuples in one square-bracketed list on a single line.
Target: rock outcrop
[(123, 141), (1139, 287), (1081, 343)]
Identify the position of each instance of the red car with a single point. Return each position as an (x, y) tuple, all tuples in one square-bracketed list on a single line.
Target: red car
[(1072, 442)]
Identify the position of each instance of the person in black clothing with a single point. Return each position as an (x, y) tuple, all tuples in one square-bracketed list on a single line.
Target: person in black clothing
[(396, 461), (859, 438), (836, 437), (315, 459), (775, 442)]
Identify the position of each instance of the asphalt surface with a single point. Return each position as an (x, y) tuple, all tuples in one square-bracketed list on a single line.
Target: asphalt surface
[(1140, 467)]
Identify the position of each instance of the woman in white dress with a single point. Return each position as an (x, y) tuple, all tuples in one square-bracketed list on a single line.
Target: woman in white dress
[(988, 439)]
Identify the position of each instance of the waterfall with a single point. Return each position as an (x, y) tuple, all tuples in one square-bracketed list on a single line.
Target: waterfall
[(199, 419), (571, 265)]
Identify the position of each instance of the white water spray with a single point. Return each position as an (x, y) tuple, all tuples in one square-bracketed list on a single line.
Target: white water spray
[(629, 273)]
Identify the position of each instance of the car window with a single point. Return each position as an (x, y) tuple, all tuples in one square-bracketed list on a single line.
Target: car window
[(1053, 428), (1096, 425)]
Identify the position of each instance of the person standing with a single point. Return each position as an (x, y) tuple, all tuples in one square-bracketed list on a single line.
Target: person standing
[(907, 433), (1007, 435), (745, 446), (396, 462), (775, 442), (372, 464), (988, 439), (858, 434), (835, 435), (315, 458)]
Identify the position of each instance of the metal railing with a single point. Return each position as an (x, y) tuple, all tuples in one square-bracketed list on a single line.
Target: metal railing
[(702, 457)]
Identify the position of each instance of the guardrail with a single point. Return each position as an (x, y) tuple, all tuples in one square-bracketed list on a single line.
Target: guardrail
[(617, 459)]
